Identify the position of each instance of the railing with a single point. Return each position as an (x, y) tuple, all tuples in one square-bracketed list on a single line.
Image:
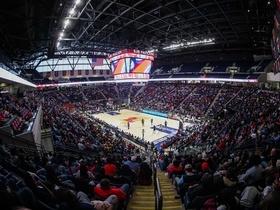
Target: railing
[(154, 168), (16, 141), (158, 196), (157, 188), (74, 151)]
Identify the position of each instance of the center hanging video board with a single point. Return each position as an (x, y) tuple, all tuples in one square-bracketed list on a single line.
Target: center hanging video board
[(131, 64)]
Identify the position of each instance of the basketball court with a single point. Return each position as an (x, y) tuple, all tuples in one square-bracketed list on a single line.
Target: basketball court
[(165, 128)]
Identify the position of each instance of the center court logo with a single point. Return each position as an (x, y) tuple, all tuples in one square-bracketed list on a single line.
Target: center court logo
[(130, 119)]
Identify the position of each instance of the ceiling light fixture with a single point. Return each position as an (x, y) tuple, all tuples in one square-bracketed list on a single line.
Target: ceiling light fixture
[(190, 44), (71, 13)]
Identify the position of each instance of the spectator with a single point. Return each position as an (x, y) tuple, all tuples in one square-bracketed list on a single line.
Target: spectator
[(204, 188), (163, 163), (271, 169), (21, 200), (189, 178), (24, 162), (227, 180), (110, 167), (104, 190), (174, 168), (84, 173), (254, 173), (70, 200), (249, 197), (4, 152), (132, 164), (145, 174), (268, 185), (272, 200), (127, 172), (44, 191), (81, 146), (205, 168)]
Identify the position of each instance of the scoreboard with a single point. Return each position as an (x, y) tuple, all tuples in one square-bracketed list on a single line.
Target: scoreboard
[(131, 64)]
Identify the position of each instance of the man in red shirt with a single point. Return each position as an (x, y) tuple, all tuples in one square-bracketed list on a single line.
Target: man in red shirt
[(175, 168), (104, 190), (110, 167)]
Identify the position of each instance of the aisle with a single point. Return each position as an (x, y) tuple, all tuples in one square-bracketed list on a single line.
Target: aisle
[(143, 197)]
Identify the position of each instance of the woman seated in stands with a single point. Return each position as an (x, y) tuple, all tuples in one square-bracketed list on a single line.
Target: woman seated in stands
[(127, 172), (145, 174)]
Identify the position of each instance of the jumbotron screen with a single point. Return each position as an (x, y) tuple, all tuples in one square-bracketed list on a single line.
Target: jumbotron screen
[(131, 64)]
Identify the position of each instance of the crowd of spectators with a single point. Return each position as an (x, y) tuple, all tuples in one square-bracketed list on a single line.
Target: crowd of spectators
[(200, 99), (93, 93), (237, 180), (17, 111), (107, 177), (239, 115), (239, 137)]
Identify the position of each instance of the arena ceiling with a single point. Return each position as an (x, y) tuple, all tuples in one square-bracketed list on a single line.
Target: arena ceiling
[(31, 29)]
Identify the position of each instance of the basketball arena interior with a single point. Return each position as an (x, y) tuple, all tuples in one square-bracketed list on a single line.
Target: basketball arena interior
[(140, 105)]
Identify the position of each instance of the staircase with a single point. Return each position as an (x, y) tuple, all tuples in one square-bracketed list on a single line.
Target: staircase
[(168, 193), (143, 197), (213, 102)]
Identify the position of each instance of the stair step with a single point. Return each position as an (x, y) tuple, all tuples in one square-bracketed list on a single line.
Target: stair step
[(141, 207), (144, 202), (167, 187), (144, 196), (173, 208), (150, 191), (144, 199), (144, 190)]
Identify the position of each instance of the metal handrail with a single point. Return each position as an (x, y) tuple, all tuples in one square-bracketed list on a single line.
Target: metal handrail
[(157, 188), (158, 196), (12, 140)]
